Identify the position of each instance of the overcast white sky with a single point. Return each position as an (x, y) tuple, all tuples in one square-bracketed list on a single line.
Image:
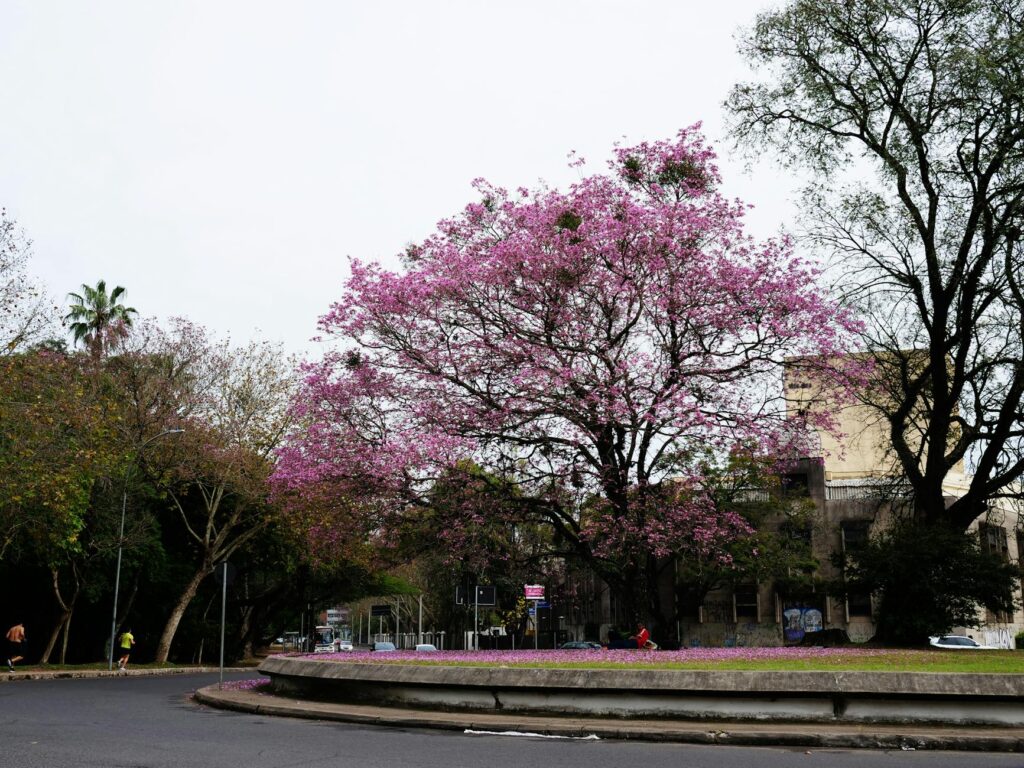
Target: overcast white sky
[(221, 160)]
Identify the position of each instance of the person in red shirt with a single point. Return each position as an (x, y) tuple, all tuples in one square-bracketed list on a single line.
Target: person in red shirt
[(642, 636)]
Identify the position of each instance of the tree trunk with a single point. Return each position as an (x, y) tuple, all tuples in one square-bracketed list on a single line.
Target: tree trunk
[(163, 649), (67, 607), (245, 632), (54, 634), (657, 623), (202, 637), (67, 634), (248, 625)]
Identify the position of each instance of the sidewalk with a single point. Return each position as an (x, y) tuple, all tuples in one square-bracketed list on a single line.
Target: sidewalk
[(816, 735), (75, 674)]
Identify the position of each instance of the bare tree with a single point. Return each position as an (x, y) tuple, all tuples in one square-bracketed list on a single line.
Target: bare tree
[(27, 315), (929, 95)]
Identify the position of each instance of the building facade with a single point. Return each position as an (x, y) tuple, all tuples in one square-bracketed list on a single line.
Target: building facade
[(850, 482)]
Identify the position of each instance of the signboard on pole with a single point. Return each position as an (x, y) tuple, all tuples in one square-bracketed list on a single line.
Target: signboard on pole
[(486, 595), (481, 594), (380, 610), (533, 591)]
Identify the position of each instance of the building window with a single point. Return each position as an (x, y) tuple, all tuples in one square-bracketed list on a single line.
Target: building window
[(796, 531), (1020, 557), (854, 534), (746, 603), (796, 484), (993, 541), (858, 604)]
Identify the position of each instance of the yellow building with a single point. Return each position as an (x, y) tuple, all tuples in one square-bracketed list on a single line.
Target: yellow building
[(856, 476)]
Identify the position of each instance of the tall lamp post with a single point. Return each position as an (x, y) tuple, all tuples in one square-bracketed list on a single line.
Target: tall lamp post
[(120, 538)]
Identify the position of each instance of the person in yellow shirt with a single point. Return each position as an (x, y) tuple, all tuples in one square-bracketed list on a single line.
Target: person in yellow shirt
[(127, 641)]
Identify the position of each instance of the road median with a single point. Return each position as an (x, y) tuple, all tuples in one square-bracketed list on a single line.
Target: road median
[(806, 735)]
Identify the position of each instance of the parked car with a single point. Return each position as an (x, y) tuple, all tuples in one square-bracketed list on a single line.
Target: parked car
[(426, 647), (580, 645), (958, 643), (382, 647)]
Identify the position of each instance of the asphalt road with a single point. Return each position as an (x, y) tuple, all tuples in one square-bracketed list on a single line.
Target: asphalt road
[(150, 722)]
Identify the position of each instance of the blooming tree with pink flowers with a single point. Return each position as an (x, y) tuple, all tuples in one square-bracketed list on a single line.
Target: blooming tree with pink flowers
[(593, 347)]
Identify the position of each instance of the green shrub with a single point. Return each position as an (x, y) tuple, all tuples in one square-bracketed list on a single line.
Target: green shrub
[(928, 579), (1019, 641)]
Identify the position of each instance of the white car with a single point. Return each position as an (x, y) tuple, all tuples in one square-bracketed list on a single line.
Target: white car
[(426, 647), (344, 645), (958, 643)]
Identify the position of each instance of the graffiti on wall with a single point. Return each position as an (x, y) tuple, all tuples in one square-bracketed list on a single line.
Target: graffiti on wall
[(798, 619), (1000, 638), (860, 632), (729, 635), (718, 611), (758, 635), (703, 637)]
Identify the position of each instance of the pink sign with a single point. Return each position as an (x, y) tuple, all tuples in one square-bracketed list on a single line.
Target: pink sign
[(533, 591)]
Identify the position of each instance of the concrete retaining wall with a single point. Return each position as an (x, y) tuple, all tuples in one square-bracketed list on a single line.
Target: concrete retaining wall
[(805, 696)]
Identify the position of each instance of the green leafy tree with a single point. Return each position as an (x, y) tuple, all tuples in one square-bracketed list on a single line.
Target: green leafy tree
[(97, 319), (777, 547), (59, 450), (474, 529), (232, 405), (56, 438), (929, 579)]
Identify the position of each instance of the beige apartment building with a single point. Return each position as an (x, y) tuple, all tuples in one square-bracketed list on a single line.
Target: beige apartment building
[(849, 481)]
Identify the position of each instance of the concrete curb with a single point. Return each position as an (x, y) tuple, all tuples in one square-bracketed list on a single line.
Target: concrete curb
[(834, 698), (84, 674), (813, 735)]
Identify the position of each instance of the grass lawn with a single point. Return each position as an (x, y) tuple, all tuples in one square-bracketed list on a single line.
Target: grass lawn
[(757, 659)]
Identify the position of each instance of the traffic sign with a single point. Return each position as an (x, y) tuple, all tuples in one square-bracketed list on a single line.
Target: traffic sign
[(484, 595), (380, 610)]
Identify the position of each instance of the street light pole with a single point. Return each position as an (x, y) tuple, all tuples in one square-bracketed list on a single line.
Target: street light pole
[(120, 538)]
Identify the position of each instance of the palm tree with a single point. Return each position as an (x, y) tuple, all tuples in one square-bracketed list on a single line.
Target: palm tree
[(96, 318)]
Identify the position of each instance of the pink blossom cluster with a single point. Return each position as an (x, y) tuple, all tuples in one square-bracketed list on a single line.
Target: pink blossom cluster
[(688, 524), (251, 684), (582, 344)]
